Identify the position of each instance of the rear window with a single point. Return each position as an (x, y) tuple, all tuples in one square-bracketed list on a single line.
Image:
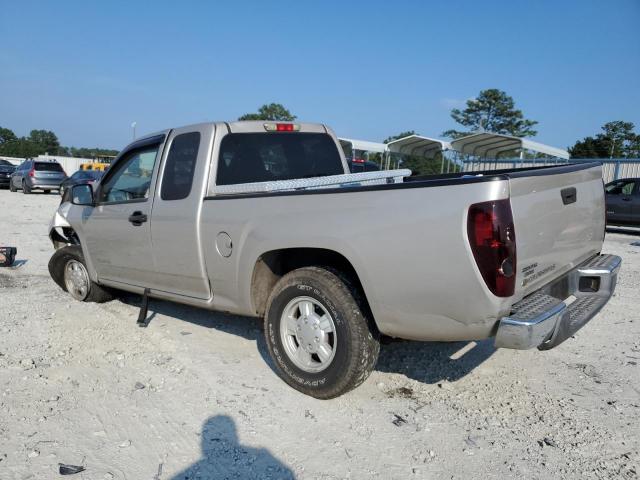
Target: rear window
[(48, 167), (263, 157)]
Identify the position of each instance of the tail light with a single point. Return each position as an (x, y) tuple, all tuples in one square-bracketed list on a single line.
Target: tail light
[(358, 160), (493, 242), (32, 172)]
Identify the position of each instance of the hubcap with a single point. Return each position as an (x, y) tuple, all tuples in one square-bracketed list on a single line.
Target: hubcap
[(308, 334), (76, 279)]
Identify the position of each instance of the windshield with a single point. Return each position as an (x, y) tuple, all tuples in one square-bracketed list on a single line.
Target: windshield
[(87, 175)]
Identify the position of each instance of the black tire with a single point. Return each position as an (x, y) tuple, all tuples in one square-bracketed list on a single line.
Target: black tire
[(12, 187), (25, 189), (57, 264), (47, 191), (357, 338)]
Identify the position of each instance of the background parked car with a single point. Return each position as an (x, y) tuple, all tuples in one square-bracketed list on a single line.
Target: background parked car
[(81, 176), (358, 165), (5, 174), (37, 175), (6, 162), (623, 202)]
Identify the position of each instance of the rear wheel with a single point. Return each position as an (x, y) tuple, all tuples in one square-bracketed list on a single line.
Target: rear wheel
[(47, 191), (25, 188), (318, 333), (69, 270)]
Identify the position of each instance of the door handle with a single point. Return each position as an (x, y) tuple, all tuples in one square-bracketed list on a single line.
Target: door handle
[(137, 218)]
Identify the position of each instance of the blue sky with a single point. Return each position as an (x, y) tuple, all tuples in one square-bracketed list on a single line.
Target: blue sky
[(369, 69)]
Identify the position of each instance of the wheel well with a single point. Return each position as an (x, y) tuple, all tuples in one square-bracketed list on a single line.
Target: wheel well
[(62, 236), (273, 265)]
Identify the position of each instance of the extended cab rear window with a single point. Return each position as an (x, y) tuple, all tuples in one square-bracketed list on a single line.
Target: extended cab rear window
[(264, 157), (48, 167)]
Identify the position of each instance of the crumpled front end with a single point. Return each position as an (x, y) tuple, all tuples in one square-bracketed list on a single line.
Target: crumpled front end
[(61, 233)]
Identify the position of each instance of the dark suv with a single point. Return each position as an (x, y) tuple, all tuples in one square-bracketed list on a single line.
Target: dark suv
[(6, 169), (37, 175), (623, 202)]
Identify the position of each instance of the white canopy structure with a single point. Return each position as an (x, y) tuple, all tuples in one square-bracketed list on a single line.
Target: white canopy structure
[(363, 145), (491, 145), (419, 146)]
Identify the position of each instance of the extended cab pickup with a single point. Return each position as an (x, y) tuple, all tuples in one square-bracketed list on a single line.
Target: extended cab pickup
[(264, 219)]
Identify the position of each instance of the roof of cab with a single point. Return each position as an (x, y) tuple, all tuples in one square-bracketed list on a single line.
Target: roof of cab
[(258, 126)]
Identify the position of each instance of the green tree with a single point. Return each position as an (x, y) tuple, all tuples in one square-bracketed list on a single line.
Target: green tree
[(272, 112), (589, 147), (617, 140), (84, 152), (44, 141), (492, 111), (6, 136)]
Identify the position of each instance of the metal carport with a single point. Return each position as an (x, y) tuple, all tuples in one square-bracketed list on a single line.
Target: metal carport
[(491, 145), (419, 146)]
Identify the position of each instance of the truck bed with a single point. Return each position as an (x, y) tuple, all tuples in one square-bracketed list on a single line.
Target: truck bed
[(408, 241)]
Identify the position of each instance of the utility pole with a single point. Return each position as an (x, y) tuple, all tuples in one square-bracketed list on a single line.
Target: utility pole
[(133, 128)]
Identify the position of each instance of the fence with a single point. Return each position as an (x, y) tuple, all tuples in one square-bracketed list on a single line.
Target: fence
[(612, 169)]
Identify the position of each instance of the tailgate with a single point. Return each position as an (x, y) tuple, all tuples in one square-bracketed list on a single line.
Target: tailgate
[(559, 219)]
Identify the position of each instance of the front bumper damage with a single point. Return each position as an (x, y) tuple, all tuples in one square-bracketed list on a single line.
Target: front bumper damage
[(554, 313), (60, 232)]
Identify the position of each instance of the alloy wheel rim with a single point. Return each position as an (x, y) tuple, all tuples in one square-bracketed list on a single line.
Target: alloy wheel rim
[(308, 334), (76, 279)]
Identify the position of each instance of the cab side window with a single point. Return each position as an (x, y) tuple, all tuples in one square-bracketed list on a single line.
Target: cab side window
[(130, 179), (180, 167)]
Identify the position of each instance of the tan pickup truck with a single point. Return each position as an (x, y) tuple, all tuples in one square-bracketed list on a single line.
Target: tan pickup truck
[(264, 219)]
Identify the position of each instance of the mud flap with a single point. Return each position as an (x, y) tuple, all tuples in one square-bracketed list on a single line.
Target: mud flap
[(143, 321)]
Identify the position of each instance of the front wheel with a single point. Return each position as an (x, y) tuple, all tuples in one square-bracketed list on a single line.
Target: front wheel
[(12, 187), (69, 270), (25, 188), (318, 333)]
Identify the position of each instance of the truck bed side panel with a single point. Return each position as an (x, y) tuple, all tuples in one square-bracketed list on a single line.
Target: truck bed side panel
[(408, 246)]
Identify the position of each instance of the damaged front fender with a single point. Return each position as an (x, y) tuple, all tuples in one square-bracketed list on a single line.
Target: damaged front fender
[(61, 233)]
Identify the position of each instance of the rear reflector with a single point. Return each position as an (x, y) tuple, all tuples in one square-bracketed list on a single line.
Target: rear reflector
[(493, 242), (281, 127)]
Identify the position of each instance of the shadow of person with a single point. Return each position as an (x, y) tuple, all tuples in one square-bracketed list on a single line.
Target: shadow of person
[(223, 457)]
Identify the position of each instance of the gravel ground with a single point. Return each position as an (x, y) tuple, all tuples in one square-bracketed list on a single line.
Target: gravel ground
[(194, 395)]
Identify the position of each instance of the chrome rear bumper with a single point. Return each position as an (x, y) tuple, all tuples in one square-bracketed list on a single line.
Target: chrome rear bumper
[(549, 316)]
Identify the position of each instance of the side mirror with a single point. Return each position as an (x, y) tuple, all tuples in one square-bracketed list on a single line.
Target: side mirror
[(82, 195)]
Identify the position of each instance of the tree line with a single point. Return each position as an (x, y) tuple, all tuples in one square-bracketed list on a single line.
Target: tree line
[(493, 110), (40, 142)]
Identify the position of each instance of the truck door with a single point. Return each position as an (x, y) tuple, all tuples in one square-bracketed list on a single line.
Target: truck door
[(619, 199), (116, 230), (175, 232)]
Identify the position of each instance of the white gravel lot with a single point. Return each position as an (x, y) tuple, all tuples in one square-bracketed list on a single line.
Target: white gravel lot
[(193, 395)]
